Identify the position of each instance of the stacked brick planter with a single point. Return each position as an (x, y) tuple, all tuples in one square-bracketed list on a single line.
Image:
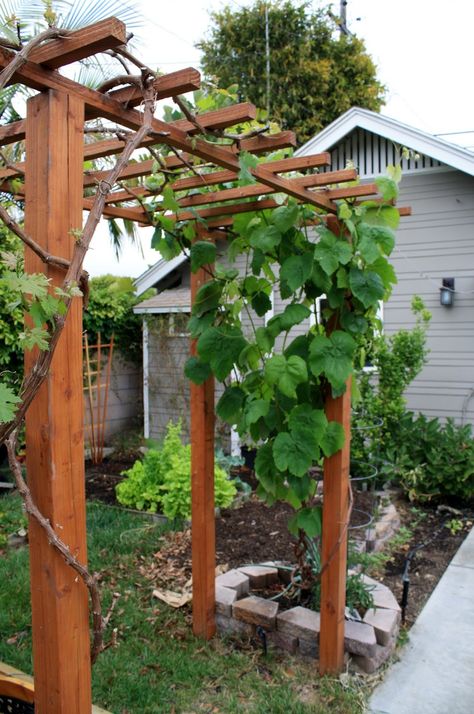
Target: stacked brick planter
[(369, 642)]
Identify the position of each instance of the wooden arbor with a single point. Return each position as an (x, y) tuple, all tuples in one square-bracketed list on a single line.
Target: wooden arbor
[(53, 188)]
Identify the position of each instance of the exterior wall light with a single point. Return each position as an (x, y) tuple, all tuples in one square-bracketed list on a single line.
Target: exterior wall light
[(446, 292)]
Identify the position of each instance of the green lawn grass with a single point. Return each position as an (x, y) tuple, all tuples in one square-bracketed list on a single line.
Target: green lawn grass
[(158, 666)]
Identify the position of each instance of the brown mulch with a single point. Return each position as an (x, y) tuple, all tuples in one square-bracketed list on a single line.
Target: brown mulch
[(255, 533)]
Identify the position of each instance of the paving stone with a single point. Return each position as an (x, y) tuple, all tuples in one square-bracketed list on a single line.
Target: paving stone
[(281, 641), (225, 598), (300, 622), (230, 626), (383, 597), (234, 580), (284, 571), (260, 576), (369, 665), (308, 648), (385, 624), (359, 638), (256, 611)]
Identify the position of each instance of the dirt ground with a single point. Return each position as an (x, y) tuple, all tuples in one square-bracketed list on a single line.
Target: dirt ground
[(255, 533)]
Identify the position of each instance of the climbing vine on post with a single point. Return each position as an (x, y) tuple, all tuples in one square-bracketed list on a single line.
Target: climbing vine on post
[(278, 370)]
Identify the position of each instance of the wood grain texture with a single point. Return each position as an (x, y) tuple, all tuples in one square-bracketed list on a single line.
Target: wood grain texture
[(334, 541), (103, 35), (202, 482), (54, 422), (168, 85)]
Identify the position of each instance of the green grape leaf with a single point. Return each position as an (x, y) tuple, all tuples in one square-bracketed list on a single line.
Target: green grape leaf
[(8, 402), (293, 455), (261, 303), (208, 297), (255, 410), (387, 187), (169, 201), (385, 270), (247, 162), (303, 418), (355, 324), (333, 438), (197, 371), (265, 340), (197, 325), (383, 215), (264, 463), (229, 405), (202, 253), (309, 520), (301, 486), (367, 286), (265, 238), (221, 347), (284, 217), (296, 270), (332, 356), (330, 252), (286, 374), (293, 315)]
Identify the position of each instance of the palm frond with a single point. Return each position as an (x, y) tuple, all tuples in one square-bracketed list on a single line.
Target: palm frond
[(79, 13), (117, 235)]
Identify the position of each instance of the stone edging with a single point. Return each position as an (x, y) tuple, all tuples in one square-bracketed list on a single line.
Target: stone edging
[(369, 642)]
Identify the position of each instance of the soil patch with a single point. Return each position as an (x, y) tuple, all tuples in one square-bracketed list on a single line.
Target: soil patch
[(255, 533), (435, 535)]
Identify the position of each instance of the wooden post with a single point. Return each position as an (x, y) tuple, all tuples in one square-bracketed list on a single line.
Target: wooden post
[(54, 422), (202, 474), (334, 541)]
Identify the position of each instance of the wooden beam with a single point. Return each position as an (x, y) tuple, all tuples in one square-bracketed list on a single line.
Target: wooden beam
[(41, 78), (109, 147), (137, 214), (202, 492), (267, 142), (167, 85), (234, 194), (10, 133), (103, 35), (220, 118), (218, 177), (334, 541), (54, 422)]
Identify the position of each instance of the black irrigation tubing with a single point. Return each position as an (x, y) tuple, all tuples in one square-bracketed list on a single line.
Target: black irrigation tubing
[(411, 554)]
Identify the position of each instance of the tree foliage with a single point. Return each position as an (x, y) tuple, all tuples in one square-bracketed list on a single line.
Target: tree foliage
[(110, 310), (315, 75)]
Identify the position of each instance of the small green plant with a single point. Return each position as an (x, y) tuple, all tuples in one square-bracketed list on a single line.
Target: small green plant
[(358, 593), (162, 480), (455, 526)]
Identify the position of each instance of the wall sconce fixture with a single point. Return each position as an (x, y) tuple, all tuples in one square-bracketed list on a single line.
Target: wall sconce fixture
[(446, 292)]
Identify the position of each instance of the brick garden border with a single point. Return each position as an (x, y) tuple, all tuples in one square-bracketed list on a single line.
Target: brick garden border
[(368, 642)]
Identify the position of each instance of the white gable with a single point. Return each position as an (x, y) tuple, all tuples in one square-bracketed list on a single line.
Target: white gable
[(372, 141)]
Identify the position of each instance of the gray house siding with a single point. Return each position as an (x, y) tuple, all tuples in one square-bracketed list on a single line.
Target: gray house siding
[(436, 242)]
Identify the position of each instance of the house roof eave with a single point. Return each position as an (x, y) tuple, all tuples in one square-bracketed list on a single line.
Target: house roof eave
[(419, 141)]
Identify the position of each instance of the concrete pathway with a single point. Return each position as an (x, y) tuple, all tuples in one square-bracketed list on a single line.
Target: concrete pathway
[(435, 674)]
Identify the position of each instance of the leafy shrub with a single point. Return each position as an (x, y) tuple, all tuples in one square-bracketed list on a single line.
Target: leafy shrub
[(162, 481), (434, 460), (398, 359)]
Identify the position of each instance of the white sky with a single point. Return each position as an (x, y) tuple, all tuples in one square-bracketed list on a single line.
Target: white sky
[(422, 48)]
